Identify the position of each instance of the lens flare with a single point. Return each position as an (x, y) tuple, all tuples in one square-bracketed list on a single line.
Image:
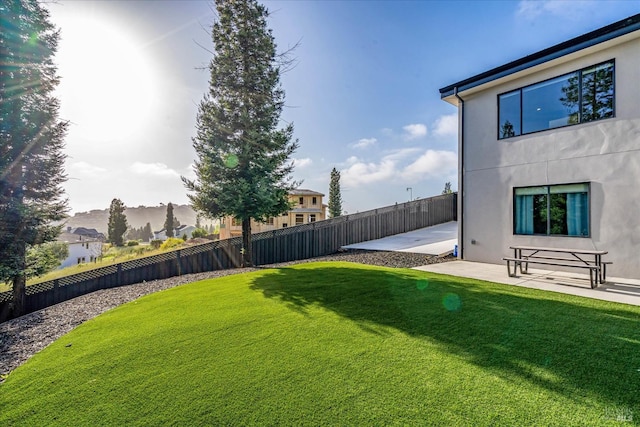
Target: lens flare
[(231, 161), (422, 284), (452, 302)]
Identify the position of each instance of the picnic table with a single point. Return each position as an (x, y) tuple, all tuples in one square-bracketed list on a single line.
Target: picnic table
[(576, 258)]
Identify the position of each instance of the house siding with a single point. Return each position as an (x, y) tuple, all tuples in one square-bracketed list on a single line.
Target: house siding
[(604, 153)]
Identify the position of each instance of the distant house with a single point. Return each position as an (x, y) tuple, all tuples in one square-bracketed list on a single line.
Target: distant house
[(81, 249), (177, 232), (306, 207), (87, 232)]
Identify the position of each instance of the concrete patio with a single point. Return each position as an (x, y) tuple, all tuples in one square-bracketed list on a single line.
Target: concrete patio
[(616, 289), (441, 239)]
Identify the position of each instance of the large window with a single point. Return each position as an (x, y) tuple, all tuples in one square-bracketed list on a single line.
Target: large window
[(583, 96), (555, 210)]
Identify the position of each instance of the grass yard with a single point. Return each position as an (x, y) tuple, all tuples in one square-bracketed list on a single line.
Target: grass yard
[(339, 344)]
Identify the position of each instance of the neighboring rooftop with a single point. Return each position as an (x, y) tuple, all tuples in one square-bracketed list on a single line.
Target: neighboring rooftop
[(304, 192), (609, 32), (75, 238)]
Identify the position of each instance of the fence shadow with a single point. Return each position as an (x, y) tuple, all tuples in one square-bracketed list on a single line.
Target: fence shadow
[(539, 339)]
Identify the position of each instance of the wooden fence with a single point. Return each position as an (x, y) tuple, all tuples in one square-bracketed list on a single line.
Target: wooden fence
[(285, 244)]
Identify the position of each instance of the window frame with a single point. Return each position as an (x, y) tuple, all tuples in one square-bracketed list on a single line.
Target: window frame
[(520, 91), (548, 194)]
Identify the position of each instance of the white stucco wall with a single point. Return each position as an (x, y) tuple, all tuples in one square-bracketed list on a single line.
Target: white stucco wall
[(605, 153), (79, 250)]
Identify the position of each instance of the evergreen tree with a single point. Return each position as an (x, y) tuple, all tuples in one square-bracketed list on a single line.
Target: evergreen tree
[(147, 234), (243, 167), (169, 222), (447, 188), (117, 224), (31, 139), (335, 199)]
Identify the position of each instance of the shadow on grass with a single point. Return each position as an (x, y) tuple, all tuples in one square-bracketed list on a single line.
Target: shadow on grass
[(577, 347)]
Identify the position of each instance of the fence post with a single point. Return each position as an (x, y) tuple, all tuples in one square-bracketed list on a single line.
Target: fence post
[(179, 262), (56, 290)]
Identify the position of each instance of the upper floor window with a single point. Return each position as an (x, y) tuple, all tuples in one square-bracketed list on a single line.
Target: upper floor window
[(301, 200), (579, 97), (314, 200)]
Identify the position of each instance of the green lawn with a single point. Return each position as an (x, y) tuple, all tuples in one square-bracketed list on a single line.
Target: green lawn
[(338, 344)]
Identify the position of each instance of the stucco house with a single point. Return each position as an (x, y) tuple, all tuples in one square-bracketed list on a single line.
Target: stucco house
[(82, 249), (306, 205), (549, 150), (177, 232)]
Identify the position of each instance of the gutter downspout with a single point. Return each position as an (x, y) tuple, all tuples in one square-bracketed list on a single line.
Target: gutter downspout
[(461, 180)]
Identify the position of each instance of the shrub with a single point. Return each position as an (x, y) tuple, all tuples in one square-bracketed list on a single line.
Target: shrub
[(133, 243), (199, 232), (155, 244), (171, 242)]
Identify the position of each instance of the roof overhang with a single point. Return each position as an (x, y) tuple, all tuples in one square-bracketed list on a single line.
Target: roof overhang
[(613, 34)]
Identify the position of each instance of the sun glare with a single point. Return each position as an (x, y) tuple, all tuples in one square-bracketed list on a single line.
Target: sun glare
[(104, 70)]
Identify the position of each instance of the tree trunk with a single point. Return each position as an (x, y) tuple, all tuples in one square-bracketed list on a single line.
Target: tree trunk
[(247, 253), (20, 284)]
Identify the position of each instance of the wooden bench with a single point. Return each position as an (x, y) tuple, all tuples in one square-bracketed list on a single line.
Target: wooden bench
[(574, 258)]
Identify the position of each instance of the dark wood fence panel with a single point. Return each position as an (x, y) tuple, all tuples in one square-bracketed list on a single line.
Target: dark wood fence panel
[(282, 245)]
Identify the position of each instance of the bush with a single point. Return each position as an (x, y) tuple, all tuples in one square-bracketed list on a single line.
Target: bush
[(155, 244), (199, 232), (171, 242), (133, 243)]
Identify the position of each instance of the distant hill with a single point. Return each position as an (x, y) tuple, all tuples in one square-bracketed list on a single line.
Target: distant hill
[(136, 217)]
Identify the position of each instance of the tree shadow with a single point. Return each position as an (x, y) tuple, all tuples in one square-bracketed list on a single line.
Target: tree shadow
[(576, 347)]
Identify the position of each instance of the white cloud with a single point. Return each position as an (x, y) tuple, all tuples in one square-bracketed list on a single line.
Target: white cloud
[(364, 143), (446, 125), (352, 160), (403, 153), (84, 168), (415, 131), (532, 9), (431, 164), (366, 173), (153, 169), (301, 163)]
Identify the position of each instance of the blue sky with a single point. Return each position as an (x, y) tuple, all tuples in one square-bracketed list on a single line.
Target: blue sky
[(363, 95)]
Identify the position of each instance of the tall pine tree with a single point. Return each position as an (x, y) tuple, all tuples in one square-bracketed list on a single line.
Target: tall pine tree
[(335, 198), (117, 224), (147, 234), (243, 167), (169, 222), (31, 139)]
